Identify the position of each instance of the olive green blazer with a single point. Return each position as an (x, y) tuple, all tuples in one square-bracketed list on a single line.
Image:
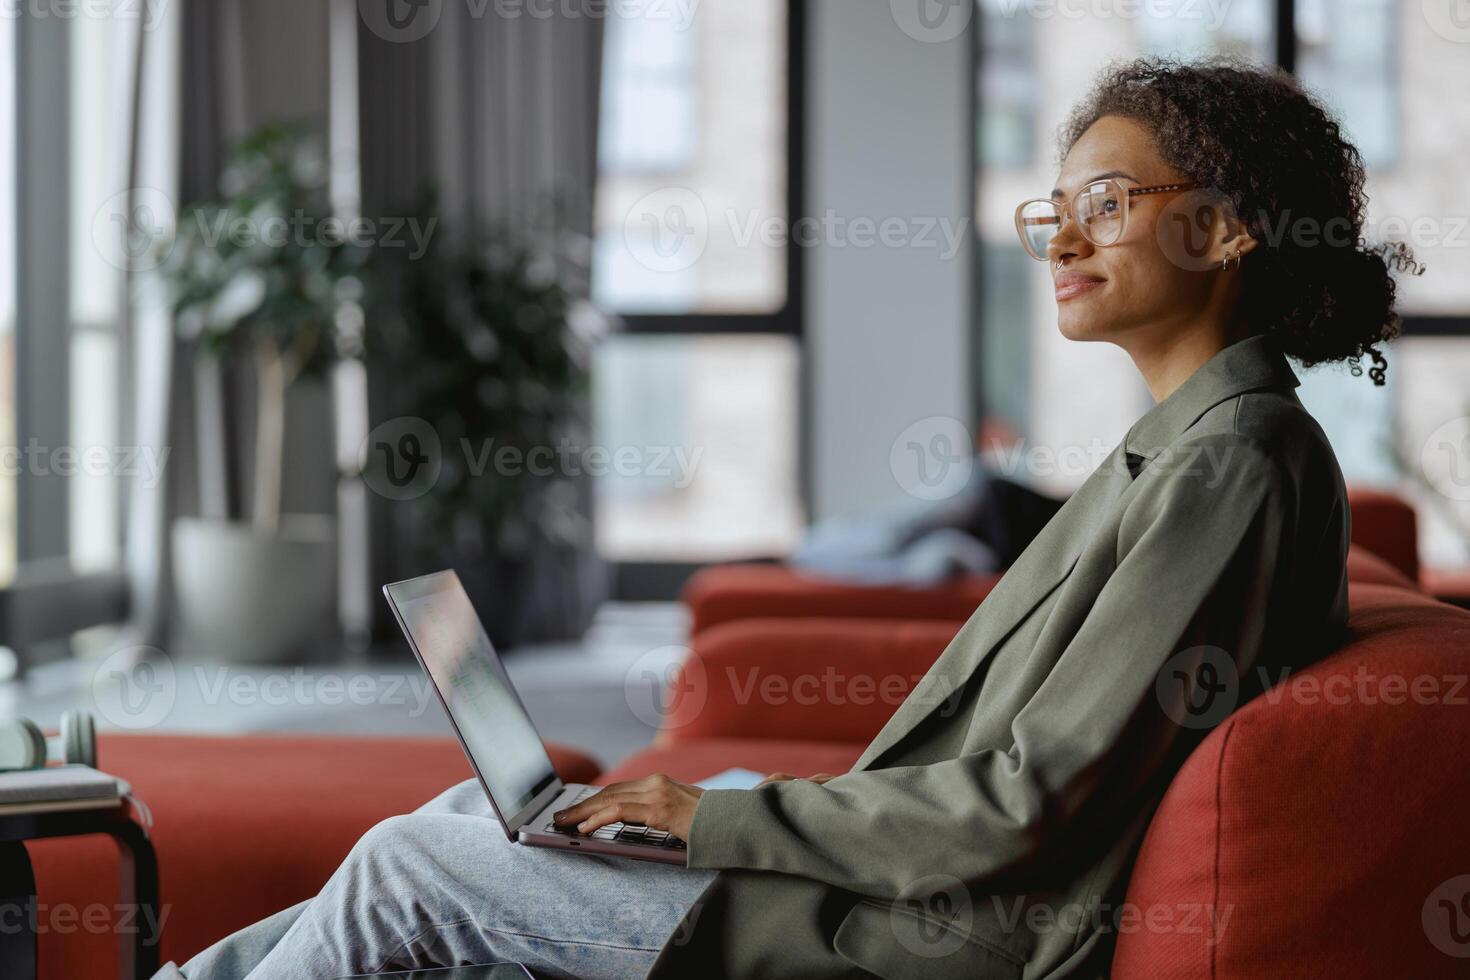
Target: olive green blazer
[(988, 830)]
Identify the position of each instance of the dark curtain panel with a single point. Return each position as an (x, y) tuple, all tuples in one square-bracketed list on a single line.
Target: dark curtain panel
[(495, 114)]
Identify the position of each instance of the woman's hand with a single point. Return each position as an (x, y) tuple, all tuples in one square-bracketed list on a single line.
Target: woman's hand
[(785, 777), (658, 802)]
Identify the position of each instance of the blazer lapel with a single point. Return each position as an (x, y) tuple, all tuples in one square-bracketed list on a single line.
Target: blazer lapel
[(1041, 568), (1252, 363)]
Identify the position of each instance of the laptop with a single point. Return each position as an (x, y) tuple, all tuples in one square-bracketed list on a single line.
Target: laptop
[(497, 734)]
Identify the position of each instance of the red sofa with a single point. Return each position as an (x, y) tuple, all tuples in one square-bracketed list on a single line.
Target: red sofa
[(1324, 820), (244, 826)]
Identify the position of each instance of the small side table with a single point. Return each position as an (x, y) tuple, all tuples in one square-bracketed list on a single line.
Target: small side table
[(138, 885)]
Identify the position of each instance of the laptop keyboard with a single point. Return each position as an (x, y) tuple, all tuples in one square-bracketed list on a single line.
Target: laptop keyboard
[(623, 833)]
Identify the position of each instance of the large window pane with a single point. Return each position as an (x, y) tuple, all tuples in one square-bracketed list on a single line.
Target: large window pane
[(1386, 67), (691, 193), (1418, 191), (98, 158), (1433, 446), (1007, 124), (1346, 53), (699, 437), (1190, 29), (1003, 378), (649, 115)]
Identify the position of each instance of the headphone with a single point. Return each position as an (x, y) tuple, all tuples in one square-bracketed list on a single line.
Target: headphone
[(22, 746)]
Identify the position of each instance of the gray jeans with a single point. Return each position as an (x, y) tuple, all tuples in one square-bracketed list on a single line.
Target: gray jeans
[(443, 887)]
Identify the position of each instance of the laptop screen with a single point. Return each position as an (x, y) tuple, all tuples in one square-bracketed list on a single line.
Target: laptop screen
[(496, 731)]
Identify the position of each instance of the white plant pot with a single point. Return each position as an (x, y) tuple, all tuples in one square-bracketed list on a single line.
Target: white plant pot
[(248, 596)]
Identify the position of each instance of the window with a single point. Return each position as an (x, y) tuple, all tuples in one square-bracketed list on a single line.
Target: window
[(1346, 53), (708, 442), (691, 191), (1005, 353), (1385, 68), (698, 388), (650, 115), (98, 162), (1188, 29), (1006, 130)]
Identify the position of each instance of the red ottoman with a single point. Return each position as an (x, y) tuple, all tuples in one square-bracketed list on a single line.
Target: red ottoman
[(245, 826)]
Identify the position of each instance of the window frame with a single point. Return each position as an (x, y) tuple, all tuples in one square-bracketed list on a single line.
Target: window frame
[(48, 600), (788, 319), (1417, 325), (637, 581)]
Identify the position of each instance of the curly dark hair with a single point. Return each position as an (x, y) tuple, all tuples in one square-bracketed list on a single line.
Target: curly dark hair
[(1252, 135)]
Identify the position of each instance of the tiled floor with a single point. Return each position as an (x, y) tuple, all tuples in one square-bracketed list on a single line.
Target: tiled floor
[(598, 695)]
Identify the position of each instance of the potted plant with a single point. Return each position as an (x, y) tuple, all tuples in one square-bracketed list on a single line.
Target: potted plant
[(258, 273), (488, 347)]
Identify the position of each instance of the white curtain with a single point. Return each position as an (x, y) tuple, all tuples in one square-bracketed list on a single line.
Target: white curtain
[(150, 108)]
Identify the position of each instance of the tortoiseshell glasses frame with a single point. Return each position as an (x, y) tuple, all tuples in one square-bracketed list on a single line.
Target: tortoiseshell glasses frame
[(1100, 211)]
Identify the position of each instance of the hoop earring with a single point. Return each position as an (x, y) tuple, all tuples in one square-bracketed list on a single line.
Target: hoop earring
[(1225, 262)]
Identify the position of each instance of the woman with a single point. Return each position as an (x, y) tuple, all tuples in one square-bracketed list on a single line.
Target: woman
[(990, 827)]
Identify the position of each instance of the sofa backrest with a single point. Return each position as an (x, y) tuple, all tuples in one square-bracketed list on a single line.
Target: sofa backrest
[(1385, 524), (1320, 830), (1365, 566)]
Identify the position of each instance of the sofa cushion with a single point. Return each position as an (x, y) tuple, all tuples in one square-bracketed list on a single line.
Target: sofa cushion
[(804, 679), (244, 826), (722, 593), (1386, 525), (1320, 821), (696, 759)]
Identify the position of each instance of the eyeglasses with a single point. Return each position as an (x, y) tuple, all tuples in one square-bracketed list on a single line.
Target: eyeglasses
[(1100, 210)]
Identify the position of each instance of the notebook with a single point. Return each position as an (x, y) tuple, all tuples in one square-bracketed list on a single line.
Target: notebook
[(59, 788), (732, 779)]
